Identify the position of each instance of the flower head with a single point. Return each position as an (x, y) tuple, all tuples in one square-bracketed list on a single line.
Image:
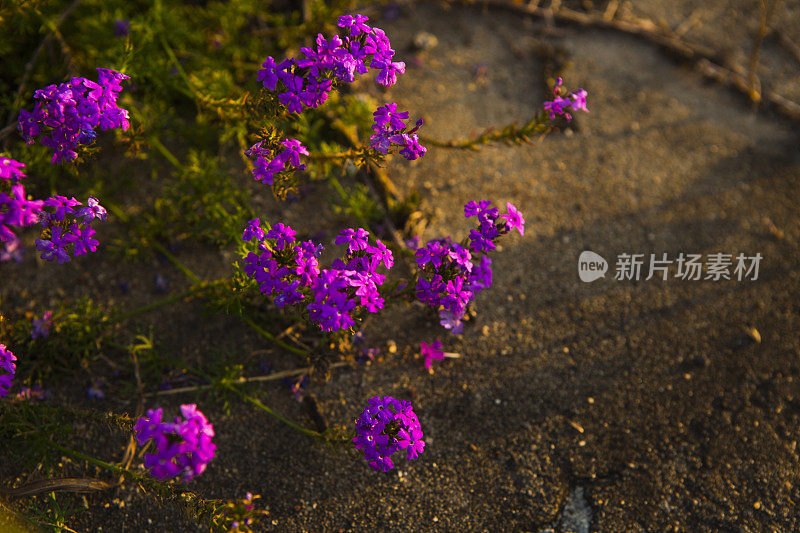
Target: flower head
[(514, 219), (385, 426), (182, 447)]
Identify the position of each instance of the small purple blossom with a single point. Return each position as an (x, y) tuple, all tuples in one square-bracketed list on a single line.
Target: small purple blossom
[(253, 231), (95, 390), (560, 105), (92, 210), (11, 170), (41, 326), (7, 364), (121, 28), (514, 219)]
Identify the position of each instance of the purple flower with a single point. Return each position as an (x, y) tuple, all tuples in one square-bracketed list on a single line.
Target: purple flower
[(387, 115), (283, 235), (41, 326), (473, 208), (514, 219), (576, 101), (294, 149), (11, 170), (253, 230), (307, 81), (412, 149), (355, 23), (411, 441), (121, 28), (8, 364), (62, 205), (382, 253), (92, 210), (389, 70), (83, 240), (431, 352), (355, 239), (94, 391), (579, 100), (450, 321), (160, 282)]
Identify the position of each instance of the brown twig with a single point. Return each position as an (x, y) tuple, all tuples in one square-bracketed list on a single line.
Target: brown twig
[(752, 80), (788, 44)]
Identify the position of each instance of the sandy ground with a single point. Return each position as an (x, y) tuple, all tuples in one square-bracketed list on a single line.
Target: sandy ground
[(604, 406)]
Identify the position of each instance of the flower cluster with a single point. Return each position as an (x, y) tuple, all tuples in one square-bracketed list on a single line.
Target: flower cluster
[(265, 166), (560, 106), (290, 271), (385, 426), (389, 129), (67, 114), (182, 447), (308, 81), (16, 210), (451, 274), (8, 365), (66, 229)]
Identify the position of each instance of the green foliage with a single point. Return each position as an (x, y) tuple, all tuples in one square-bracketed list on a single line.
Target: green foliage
[(73, 342), (201, 202)]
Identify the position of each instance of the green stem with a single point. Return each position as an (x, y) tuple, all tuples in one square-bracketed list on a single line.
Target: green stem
[(348, 154), (268, 410), (75, 454), (169, 156), (155, 305), (119, 213), (192, 92), (509, 134), (338, 186), (227, 385), (176, 262), (269, 336)]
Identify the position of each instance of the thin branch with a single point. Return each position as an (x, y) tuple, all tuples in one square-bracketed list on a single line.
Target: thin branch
[(255, 379), (763, 28)]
